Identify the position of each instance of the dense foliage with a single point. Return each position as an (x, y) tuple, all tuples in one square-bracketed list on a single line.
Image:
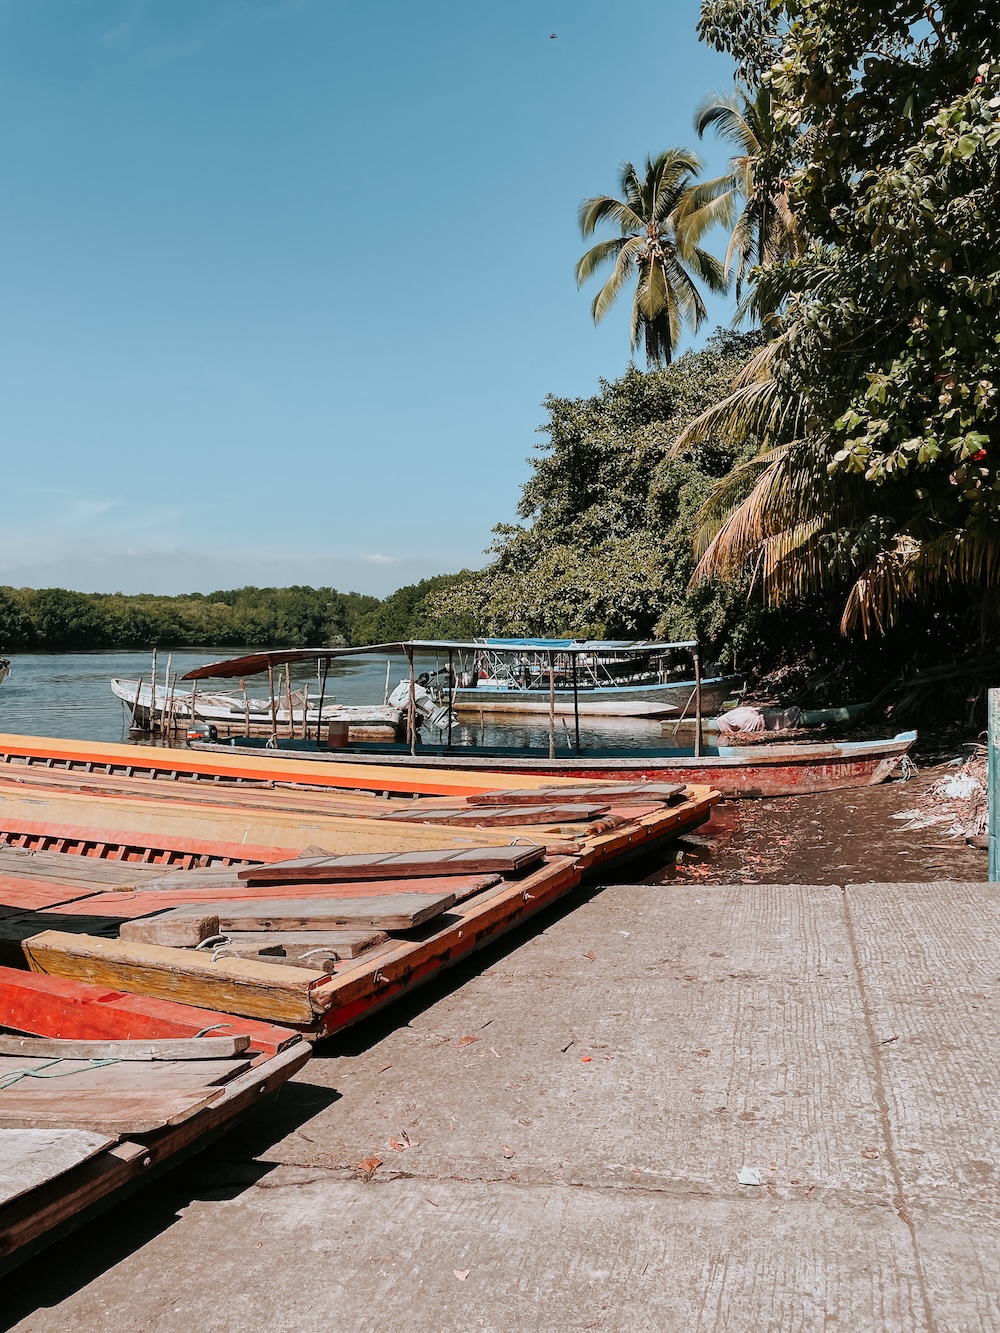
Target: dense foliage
[(878, 399), (52, 618), (604, 546)]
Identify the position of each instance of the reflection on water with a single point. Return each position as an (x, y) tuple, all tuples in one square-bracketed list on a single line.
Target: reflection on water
[(69, 694)]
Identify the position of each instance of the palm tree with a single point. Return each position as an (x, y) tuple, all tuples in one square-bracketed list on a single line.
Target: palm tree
[(659, 230), (764, 230)]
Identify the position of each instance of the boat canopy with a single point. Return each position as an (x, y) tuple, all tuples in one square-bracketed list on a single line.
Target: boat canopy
[(252, 663)]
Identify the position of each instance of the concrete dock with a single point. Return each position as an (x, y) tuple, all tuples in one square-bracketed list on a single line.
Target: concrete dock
[(561, 1126)]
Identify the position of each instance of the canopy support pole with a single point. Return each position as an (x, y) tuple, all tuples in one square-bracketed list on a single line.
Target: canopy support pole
[(451, 692), (697, 703), (194, 696), (274, 707), (411, 711), (246, 703), (576, 705), (552, 707), (322, 696)]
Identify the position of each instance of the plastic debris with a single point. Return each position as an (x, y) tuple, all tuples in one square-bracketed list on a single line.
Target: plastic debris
[(748, 1175)]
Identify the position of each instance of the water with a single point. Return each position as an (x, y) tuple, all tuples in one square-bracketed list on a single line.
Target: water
[(69, 694)]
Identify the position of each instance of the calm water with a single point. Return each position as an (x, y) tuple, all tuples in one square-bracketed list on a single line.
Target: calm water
[(69, 694)]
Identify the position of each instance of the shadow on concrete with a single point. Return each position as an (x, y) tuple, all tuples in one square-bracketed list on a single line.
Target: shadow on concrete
[(221, 1171)]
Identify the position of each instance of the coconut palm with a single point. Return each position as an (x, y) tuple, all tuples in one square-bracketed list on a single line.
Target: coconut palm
[(764, 230), (657, 246)]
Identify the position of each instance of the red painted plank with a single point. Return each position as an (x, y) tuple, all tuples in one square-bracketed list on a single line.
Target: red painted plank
[(33, 893), (236, 851), (144, 902), (45, 1006)]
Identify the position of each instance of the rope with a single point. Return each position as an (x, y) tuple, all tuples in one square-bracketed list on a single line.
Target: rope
[(46, 1070)]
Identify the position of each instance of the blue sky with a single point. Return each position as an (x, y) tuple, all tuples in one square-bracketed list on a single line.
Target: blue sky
[(284, 282)]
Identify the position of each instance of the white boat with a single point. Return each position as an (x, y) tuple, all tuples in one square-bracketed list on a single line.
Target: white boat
[(232, 711), (593, 678)]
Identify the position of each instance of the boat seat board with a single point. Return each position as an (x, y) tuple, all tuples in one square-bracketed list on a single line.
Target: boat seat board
[(69, 868), (31, 1157), (506, 860), (121, 906), (137, 1076), (335, 944), (402, 911), (230, 985), (610, 792), (500, 816), (185, 1048), (101, 1112), (60, 1007)]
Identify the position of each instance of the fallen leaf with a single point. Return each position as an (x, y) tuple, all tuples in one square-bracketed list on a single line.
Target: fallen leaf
[(396, 1146), (368, 1166), (461, 1273), (508, 1151), (466, 1041), (586, 1059), (384, 1068), (703, 1053), (872, 1154), (591, 955)]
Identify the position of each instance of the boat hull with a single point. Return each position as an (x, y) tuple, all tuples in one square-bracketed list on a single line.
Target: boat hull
[(613, 701), (736, 771)]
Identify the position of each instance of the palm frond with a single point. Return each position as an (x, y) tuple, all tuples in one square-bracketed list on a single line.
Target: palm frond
[(602, 208)]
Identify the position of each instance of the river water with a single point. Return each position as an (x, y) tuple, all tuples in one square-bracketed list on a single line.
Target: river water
[(69, 694)]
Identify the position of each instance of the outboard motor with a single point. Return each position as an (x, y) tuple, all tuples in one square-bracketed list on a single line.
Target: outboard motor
[(203, 731), (424, 703)]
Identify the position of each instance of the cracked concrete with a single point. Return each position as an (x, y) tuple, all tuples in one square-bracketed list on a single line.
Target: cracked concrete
[(559, 1127)]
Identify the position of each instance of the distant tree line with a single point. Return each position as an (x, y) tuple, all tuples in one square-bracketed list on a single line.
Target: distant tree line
[(56, 619)]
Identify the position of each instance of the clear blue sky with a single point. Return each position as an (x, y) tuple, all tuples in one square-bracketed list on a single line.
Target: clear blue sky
[(283, 282)]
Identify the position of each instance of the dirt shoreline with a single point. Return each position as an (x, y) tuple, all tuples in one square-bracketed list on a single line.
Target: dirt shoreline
[(842, 837)]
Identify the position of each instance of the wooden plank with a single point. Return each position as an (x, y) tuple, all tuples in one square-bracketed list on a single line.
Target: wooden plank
[(119, 906), (30, 892), (613, 792), (401, 911), (185, 931), (70, 1076), (502, 816), (505, 860), (71, 869), (316, 946), (30, 1157), (101, 1112), (58, 1007), (232, 985), (185, 1048)]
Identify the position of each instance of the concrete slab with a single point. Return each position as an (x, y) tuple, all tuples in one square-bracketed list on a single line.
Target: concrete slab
[(575, 1165)]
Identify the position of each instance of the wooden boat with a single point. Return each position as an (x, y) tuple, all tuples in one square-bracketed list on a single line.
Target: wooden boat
[(229, 711), (769, 769), (735, 770), (591, 678)]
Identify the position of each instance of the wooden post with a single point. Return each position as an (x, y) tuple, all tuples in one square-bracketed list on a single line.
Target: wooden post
[(194, 696), (288, 702), (388, 665), (411, 713), (576, 705), (246, 704), (135, 705), (322, 695), (274, 706), (552, 707), (993, 778), (151, 719), (696, 654)]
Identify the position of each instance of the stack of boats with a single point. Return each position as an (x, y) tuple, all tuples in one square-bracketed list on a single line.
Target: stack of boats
[(176, 927)]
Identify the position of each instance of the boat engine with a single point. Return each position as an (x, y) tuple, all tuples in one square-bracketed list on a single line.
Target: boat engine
[(425, 705)]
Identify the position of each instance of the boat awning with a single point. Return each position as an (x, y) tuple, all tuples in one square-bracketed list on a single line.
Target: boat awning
[(253, 663)]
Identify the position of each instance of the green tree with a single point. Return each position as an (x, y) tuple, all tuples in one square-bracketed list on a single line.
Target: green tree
[(657, 246), (878, 402)]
